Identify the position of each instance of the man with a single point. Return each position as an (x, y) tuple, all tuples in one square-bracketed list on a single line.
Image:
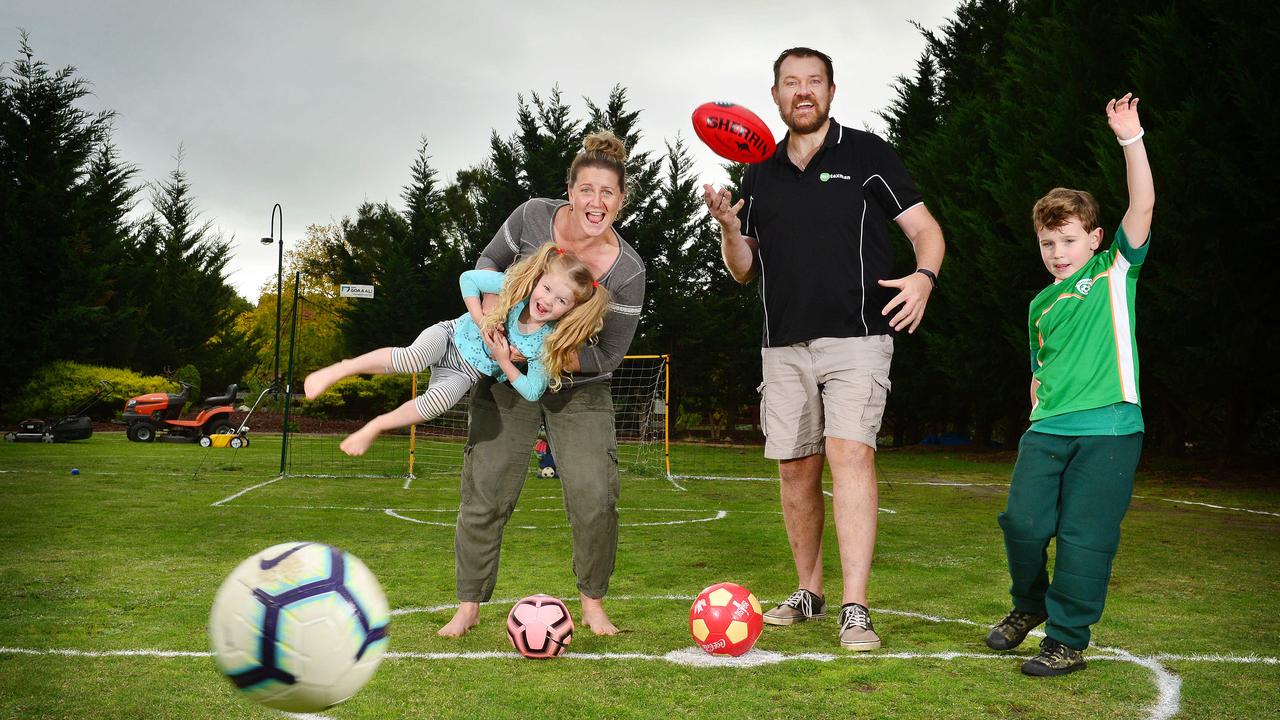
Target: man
[(812, 224)]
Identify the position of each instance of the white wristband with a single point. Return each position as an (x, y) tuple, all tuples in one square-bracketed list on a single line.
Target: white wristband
[(1132, 140)]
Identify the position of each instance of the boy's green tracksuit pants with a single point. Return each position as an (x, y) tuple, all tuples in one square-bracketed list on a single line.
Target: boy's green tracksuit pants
[(1076, 489)]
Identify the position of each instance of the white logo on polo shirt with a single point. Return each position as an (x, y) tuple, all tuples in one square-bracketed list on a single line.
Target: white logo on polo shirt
[(833, 176)]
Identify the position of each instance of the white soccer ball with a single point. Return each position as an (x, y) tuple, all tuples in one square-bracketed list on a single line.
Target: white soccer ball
[(547, 472), (299, 626)]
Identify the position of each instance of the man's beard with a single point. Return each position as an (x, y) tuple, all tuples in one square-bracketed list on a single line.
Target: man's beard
[(820, 116)]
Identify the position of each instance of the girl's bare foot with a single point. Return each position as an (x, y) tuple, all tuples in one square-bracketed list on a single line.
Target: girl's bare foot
[(594, 616), (467, 617), (320, 380), (359, 441)]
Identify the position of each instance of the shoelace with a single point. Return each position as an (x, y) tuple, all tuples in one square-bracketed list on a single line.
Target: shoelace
[(800, 601), (1055, 649), (1017, 618), (855, 616)]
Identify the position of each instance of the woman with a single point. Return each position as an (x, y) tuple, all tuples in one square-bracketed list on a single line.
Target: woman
[(578, 418)]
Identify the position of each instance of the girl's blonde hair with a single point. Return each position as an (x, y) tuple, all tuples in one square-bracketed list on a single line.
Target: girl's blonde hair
[(583, 321)]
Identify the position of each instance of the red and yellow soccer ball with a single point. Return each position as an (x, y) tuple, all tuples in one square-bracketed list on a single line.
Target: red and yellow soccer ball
[(733, 132), (540, 626), (726, 619)]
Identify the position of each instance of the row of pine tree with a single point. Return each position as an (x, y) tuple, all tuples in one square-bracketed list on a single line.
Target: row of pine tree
[(1005, 103)]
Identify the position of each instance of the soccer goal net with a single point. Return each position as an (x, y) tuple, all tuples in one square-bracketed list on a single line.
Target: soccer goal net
[(434, 449)]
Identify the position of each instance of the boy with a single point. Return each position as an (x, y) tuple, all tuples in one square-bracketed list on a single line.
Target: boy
[(1074, 474)]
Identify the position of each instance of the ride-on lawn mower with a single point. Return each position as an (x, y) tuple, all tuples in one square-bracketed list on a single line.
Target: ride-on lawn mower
[(240, 437), (75, 425), (147, 416)]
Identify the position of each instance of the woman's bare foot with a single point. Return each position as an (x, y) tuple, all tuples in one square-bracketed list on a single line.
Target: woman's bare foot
[(594, 616), (467, 617), (359, 441), (320, 380)]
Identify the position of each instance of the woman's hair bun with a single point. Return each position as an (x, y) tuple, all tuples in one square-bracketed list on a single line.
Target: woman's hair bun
[(605, 143)]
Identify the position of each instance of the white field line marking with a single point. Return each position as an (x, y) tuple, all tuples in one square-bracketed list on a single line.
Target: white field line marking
[(509, 601), (723, 477), (1240, 659), (69, 652), (821, 657), (720, 515), (255, 487), (384, 510), (883, 510), (939, 483), (454, 509), (672, 479), (398, 516), (1168, 685), (824, 492), (1210, 505)]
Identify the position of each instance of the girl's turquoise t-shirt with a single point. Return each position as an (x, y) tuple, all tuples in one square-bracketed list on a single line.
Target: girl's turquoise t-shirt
[(466, 337)]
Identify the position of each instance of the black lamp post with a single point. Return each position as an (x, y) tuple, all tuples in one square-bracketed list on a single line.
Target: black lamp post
[(279, 278)]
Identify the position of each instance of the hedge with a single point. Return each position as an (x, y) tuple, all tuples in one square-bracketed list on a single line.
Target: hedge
[(57, 388)]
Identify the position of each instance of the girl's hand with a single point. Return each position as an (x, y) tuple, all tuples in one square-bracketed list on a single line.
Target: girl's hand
[(492, 337), (1122, 116), (496, 342)]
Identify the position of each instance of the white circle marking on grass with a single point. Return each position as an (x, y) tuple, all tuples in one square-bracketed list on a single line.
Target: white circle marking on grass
[(1168, 685), (229, 498), (719, 515)]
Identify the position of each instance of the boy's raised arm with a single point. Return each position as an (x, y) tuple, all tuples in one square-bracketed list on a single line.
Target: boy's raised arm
[(1122, 116)]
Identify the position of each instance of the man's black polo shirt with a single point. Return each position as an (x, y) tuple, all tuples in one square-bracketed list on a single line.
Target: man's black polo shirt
[(824, 236)]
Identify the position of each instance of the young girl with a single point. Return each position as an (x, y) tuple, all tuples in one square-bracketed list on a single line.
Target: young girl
[(549, 304)]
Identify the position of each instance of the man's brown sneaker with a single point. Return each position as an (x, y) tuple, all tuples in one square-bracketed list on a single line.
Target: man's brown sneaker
[(1012, 630), (802, 605), (856, 632), (1054, 659)]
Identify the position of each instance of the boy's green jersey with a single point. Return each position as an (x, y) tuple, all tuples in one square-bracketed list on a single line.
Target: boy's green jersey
[(1083, 348)]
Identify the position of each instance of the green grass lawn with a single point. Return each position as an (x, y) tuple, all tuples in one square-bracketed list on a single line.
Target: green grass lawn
[(127, 555)]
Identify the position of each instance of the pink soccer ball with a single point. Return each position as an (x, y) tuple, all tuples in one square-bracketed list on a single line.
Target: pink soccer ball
[(540, 627)]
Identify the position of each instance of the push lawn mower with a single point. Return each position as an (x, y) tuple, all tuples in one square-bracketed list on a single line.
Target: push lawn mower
[(75, 425), (240, 436), (147, 417)]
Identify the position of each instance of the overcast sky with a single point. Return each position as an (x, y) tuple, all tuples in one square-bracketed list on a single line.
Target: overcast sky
[(320, 105)]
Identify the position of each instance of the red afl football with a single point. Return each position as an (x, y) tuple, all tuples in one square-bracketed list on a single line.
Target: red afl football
[(733, 132)]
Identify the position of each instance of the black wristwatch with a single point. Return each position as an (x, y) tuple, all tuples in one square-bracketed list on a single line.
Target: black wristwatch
[(929, 274)]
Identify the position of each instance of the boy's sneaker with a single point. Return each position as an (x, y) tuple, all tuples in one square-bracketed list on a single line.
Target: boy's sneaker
[(856, 632), (802, 605), (1012, 630), (1054, 659)]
